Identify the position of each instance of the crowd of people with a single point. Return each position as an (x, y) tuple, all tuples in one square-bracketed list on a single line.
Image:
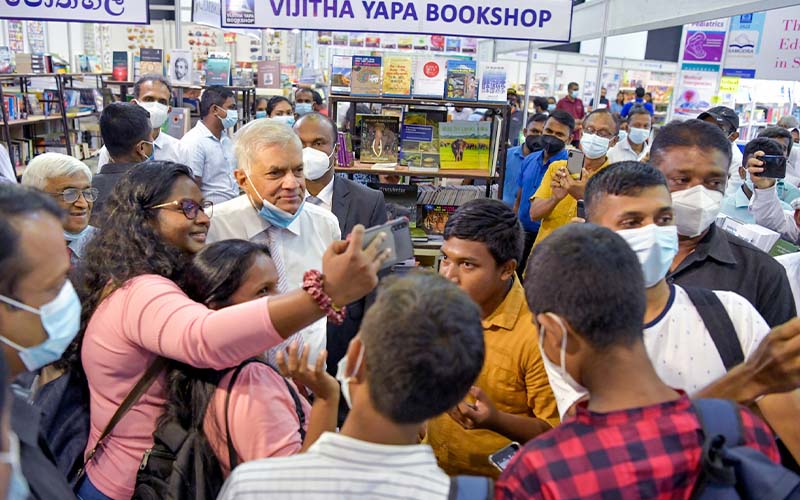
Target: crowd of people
[(203, 318)]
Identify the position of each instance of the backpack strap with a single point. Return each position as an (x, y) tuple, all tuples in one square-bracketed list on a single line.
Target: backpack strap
[(233, 456), (470, 488), (721, 426), (144, 383), (719, 325)]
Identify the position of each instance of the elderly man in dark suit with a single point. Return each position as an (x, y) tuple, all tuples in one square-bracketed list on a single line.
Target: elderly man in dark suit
[(352, 203)]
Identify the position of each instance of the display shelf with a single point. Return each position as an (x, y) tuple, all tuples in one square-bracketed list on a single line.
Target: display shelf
[(364, 168), (417, 101)]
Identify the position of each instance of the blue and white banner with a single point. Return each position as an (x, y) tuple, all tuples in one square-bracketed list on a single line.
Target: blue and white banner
[(544, 20), (81, 11), (765, 45)]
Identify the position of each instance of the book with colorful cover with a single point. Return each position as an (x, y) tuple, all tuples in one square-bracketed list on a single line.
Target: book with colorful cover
[(341, 70), (218, 68), (433, 218), (461, 80), (397, 76), (119, 66), (365, 76), (419, 146), (453, 44), (268, 74), (181, 66), (493, 82), (380, 138), (464, 145), (401, 201), (429, 78), (151, 62)]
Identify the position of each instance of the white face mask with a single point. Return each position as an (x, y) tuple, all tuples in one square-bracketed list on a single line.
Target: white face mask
[(639, 135), (594, 146), (565, 388), (158, 113), (656, 247), (344, 379), (315, 163), (695, 209)]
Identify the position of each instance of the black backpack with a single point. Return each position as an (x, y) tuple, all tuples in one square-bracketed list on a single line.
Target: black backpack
[(177, 468)]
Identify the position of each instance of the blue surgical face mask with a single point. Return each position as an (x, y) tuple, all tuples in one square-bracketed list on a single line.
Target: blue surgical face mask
[(344, 379), (639, 135), (287, 119), (303, 108), (623, 135), (656, 248), (574, 94), (594, 146), (231, 117), (272, 214), (18, 488), (61, 319), (261, 114), (551, 107)]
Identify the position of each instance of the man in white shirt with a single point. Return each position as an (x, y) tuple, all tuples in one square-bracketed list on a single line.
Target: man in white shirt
[(7, 172), (765, 204), (792, 124), (418, 351), (728, 121), (153, 93), (273, 212), (460, 113), (636, 146), (209, 150), (685, 329)]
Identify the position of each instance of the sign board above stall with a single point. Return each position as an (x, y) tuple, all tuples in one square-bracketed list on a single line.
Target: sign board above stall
[(81, 11), (765, 45), (541, 20)]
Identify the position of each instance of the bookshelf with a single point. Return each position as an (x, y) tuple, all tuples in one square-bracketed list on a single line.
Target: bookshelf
[(500, 107)]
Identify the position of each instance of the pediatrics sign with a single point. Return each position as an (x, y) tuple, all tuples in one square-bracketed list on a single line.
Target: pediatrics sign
[(82, 11), (543, 20), (764, 45)]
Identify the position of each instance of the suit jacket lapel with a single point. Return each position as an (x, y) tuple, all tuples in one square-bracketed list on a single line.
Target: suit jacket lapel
[(341, 203)]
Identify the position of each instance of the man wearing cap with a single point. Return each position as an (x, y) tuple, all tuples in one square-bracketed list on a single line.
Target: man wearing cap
[(728, 121)]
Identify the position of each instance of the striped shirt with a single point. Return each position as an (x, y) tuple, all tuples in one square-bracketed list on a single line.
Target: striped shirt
[(338, 467)]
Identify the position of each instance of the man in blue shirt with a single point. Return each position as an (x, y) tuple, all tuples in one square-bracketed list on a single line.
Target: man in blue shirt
[(515, 155), (557, 132), (640, 101)]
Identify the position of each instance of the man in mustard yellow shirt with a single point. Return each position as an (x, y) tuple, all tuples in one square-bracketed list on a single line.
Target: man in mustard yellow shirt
[(555, 203), (483, 244)]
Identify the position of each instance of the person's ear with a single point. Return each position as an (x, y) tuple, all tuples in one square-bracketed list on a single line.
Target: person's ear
[(241, 177), (552, 333), (169, 109), (354, 369), (734, 136), (508, 269)]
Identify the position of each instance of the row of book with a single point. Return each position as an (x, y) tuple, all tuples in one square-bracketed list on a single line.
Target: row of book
[(19, 106), (431, 77), (29, 63)]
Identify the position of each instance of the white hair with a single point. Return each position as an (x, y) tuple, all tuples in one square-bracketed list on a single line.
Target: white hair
[(789, 122), (258, 135), (49, 165)]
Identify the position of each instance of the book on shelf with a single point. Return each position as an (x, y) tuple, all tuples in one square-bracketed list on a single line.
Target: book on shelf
[(341, 70), (432, 218), (268, 74), (461, 80), (397, 76), (151, 62), (218, 68), (401, 201), (497, 130), (178, 122), (344, 150), (119, 66), (366, 76), (6, 60), (380, 138), (181, 67), (419, 146), (464, 145), (429, 77), (492, 82)]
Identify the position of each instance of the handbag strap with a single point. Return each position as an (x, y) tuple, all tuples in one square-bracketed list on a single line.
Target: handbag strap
[(144, 383)]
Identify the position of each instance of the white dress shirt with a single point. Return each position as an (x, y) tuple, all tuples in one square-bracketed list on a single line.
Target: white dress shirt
[(213, 160), (680, 347), (623, 151), (337, 467), (302, 244), (7, 171), (792, 264), (325, 196), (167, 149), (768, 212)]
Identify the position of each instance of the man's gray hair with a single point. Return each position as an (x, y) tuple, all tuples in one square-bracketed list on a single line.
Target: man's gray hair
[(259, 135), (49, 165), (789, 122), (151, 77)]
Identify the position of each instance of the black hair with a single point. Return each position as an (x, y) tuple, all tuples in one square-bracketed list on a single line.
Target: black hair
[(602, 111), (216, 95), (302, 90), (274, 101), (259, 101), (626, 178), (569, 275), (767, 145), (123, 126), (217, 271), (778, 133), (320, 118), (639, 92), (152, 77), (538, 117), (423, 343), (563, 118), (540, 102), (687, 134), (637, 109), (127, 245), (572, 84), (18, 201), (490, 222), (317, 97)]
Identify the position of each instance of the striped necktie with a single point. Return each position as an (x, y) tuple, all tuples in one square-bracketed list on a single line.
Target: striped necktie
[(314, 200)]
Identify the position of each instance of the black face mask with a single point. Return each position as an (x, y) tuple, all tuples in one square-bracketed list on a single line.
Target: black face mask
[(552, 144), (534, 143)]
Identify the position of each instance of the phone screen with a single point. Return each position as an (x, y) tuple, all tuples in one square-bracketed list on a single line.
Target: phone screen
[(774, 166), (502, 457)]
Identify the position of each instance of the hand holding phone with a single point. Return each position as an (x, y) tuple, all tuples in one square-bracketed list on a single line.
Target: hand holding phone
[(575, 161), (398, 239), (503, 456), (774, 166)]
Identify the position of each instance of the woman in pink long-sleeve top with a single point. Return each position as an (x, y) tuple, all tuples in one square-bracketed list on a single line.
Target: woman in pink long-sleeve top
[(134, 312)]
